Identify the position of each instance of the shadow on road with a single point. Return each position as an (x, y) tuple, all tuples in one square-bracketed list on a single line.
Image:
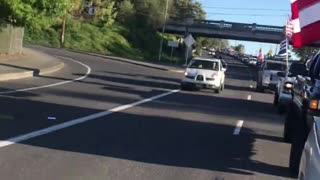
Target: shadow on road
[(221, 106), (134, 81), (156, 139), (175, 80), (238, 88), (161, 139), (164, 141)]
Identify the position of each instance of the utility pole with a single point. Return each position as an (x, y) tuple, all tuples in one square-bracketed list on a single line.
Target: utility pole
[(63, 30), (163, 29)]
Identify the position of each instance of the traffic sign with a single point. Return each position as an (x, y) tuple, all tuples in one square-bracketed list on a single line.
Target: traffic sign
[(189, 41)]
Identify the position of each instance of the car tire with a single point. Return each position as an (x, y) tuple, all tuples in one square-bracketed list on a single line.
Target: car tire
[(183, 87), (217, 91), (259, 88), (276, 99), (287, 130), (281, 109), (299, 137), (222, 87)]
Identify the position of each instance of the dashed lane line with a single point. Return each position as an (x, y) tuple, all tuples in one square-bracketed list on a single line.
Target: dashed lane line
[(238, 127)]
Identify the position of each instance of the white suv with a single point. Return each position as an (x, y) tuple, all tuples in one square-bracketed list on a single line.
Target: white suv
[(204, 73)]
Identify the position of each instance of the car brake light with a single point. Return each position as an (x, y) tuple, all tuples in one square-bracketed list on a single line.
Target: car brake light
[(313, 105)]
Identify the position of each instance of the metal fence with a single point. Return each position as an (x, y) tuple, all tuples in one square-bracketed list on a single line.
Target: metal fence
[(11, 39)]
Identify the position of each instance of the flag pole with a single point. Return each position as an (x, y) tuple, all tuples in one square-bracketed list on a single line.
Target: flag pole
[(287, 46), (287, 54)]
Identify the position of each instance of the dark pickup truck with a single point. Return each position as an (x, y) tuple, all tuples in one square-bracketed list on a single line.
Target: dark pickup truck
[(302, 112)]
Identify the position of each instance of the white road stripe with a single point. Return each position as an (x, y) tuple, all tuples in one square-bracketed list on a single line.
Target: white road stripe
[(249, 97), (57, 127), (238, 127), (55, 84)]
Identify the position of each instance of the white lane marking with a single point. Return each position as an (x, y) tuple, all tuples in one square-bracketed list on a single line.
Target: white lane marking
[(251, 86), (249, 97), (238, 127), (91, 117), (55, 84)]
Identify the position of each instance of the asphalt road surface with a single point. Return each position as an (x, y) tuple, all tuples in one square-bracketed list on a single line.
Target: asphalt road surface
[(112, 120)]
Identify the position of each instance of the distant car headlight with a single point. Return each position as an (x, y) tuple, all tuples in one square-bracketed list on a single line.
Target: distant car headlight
[(288, 85), (186, 73)]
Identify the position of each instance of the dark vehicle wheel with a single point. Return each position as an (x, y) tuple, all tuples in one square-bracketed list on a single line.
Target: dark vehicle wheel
[(222, 87), (259, 88), (281, 108), (217, 91), (183, 87), (299, 137), (287, 130), (276, 99)]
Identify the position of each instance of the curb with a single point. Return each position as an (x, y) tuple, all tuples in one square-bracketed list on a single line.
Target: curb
[(29, 74), (51, 69), (15, 76)]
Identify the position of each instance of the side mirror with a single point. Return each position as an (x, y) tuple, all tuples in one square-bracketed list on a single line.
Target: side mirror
[(281, 74), (224, 69)]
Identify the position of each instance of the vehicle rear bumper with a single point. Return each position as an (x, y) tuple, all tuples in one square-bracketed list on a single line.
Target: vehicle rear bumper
[(201, 84), (285, 99), (270, 86)]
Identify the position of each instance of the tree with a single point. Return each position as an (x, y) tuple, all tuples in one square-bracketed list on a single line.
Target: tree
[(305, 52), (198, 12), (188, 8), (215, 43), (126, 11), (105, 11), (240, 48), (36, 13)]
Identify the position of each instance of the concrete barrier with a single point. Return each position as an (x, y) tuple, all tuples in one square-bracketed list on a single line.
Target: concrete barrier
[(11, 39)]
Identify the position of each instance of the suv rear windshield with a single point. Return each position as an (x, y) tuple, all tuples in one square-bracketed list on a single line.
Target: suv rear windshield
[(202, 64), (275, 67), (297, 69)]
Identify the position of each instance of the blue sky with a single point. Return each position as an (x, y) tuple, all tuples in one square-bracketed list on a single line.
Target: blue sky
[(277, 14)]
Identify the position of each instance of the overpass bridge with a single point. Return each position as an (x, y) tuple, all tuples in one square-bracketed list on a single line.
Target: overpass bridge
[(227, 30)]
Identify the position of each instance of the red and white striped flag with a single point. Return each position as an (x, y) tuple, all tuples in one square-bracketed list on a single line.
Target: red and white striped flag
[(260, 56), (289, 28), (305, 22), (296, 37), (309, 14)]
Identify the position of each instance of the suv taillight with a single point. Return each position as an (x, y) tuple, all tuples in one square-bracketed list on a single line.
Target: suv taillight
[(314, 104)]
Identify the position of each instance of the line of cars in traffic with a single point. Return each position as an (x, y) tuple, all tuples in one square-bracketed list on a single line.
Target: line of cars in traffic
[(296, 87), (297, 93), (250, 60)]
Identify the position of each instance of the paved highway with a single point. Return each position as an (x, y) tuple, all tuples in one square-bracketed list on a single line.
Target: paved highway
[(112, 120)]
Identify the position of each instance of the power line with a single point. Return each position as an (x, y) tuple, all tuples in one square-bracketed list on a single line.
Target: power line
[(251, 9), (252, 15)]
